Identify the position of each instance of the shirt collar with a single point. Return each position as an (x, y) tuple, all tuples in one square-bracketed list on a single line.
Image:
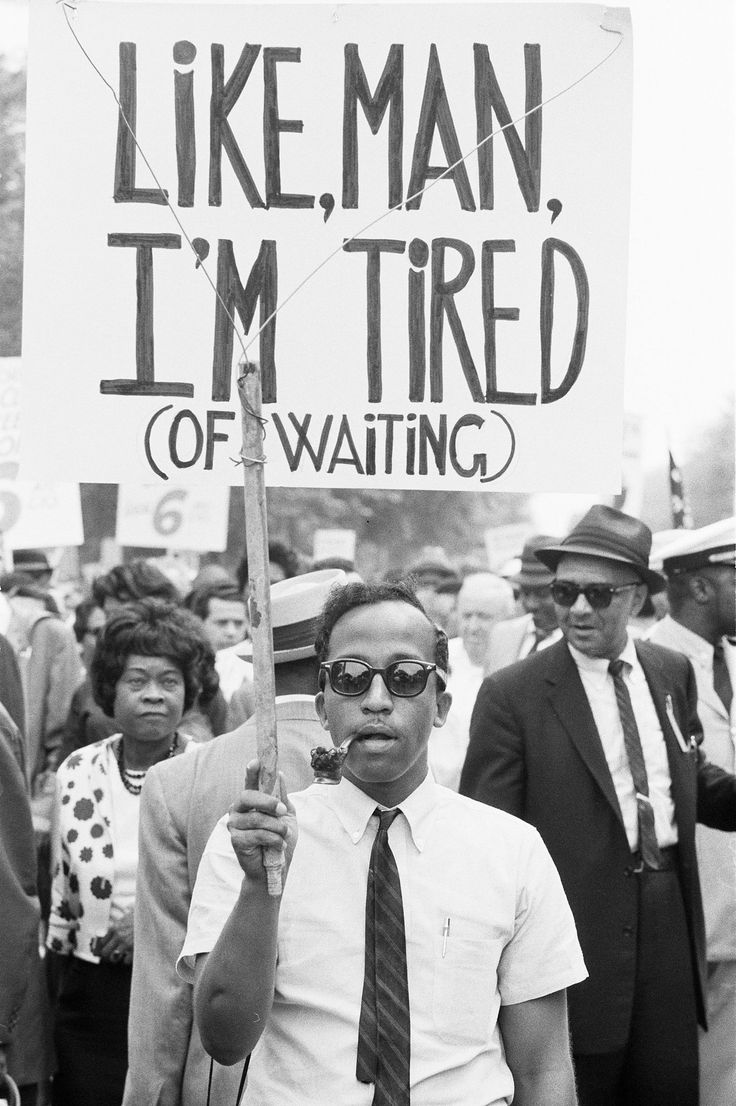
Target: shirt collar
[(696, 645), (354, 808), (600, 664)]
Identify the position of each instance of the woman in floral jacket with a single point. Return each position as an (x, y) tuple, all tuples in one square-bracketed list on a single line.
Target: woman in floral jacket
[(151, 662)]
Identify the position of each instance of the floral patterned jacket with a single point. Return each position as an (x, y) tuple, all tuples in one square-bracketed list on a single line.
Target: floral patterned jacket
[(81, 894)]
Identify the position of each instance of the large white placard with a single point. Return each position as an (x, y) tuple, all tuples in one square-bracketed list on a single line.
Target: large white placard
[(471, 338), (173, 517)]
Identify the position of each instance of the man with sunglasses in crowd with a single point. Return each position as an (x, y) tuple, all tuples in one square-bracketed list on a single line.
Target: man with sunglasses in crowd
[(595, 741), (422, 945)]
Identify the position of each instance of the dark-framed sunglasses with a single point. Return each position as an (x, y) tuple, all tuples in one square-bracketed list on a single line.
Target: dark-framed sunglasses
[(599, 596), (405, 678)]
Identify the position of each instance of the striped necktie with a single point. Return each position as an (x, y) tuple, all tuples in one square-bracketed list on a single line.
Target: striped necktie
[(648, 846), (384, 1029)]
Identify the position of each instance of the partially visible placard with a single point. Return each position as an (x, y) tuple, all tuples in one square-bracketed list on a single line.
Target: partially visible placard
[(471, 338), (40, 515), (173, 517), (9, 417)]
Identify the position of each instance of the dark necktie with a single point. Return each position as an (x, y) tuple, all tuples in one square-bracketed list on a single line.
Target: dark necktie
[(648, 846), (721, 678), (383, 1033)]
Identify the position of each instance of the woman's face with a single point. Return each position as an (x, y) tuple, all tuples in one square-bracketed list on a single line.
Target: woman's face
[(149, 698)]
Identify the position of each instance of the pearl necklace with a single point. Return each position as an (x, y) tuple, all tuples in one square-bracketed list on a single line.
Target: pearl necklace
[(133, 780)]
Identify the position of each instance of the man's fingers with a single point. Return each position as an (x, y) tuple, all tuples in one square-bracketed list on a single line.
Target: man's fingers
[(250, 821), (253, 840), (252, 769)]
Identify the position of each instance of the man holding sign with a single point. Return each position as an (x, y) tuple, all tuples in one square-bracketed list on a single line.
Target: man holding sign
[(458, 903)]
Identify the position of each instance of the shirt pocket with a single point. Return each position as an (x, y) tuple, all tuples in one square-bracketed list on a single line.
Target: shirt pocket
[(465, 989)]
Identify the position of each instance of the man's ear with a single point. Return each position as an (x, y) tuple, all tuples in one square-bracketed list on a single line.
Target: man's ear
[(640, 595), (444, 702), (319, 706)]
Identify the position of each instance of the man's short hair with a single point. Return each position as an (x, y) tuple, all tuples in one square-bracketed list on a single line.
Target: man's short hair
[(198, 601), (278, 554), (360, 594)]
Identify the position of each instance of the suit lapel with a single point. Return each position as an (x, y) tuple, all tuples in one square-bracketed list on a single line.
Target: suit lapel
[(570, 704)]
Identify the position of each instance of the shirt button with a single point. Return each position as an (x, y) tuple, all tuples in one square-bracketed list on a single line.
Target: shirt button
[(628, 931)]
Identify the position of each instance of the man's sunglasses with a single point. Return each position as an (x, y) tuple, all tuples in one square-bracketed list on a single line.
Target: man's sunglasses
[(404, 679), (599, 596)]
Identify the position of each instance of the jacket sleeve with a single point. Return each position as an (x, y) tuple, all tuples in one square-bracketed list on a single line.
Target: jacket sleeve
[(494, 771), (160, 1002), (19, 909), (65, 674), (62, 931)]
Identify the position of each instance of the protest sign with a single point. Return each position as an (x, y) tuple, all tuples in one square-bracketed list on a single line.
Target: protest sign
[(9, 417), (172, 517), (40, 515), (473, 337)]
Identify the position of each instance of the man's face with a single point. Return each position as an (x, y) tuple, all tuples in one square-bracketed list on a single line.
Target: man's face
[(388, 758), (599, 633), (225, 623), (481, 602), (538, 602)]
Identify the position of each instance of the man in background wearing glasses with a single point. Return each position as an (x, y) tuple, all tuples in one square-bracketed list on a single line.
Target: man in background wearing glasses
[(422, 945), (595, 741)]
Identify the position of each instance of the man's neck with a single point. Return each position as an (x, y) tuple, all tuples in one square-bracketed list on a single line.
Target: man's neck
[(697, 622)]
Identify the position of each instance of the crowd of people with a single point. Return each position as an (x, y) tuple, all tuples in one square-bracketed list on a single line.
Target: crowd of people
[(504, 896)]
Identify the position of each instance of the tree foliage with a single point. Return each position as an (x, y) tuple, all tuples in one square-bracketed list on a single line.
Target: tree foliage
[(12, 176)]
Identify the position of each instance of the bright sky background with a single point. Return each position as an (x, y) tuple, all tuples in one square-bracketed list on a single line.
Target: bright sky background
[(680, 336)]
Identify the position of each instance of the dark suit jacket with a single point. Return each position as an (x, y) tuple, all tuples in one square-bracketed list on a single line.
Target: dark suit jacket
[(535, 751)]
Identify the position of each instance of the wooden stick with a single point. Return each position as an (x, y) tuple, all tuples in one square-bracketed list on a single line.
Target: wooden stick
[(256, 541)]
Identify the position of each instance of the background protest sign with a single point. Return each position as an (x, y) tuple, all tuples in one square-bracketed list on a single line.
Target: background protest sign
[(172, 517), (36, 515), (473, 338)]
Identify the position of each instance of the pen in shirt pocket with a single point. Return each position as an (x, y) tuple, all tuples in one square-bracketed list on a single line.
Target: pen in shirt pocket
[(684, 745), (445, 935)]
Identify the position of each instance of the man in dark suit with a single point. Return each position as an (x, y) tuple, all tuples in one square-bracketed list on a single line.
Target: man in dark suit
[(595, 741)]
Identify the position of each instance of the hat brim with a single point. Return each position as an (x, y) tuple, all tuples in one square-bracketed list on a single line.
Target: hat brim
[(280, 656), (552, 555)]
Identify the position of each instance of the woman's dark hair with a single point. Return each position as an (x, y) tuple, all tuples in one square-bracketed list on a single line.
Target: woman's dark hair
[(81, 617), (360, 594), (153, 628), (137, 580)]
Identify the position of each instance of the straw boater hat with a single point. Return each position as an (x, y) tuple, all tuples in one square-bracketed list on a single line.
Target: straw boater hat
[(690, 550), (532, 573), (610, 534), (296, 605)]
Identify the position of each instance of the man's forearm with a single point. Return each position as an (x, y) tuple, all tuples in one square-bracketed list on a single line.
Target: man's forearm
[(234, 984), (546, 1088)]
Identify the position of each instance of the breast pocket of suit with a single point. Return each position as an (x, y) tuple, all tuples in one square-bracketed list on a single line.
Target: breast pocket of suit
[(464, 996)]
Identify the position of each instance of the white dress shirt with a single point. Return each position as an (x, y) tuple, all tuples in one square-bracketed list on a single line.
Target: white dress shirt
[(598, 684), (511, 938)]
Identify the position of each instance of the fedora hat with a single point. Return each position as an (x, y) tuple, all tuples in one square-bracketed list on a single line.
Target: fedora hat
[(605, 532), (532, 573), (296, 606)]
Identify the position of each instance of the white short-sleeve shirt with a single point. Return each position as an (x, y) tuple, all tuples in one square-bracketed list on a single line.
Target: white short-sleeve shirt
[(511, 938)]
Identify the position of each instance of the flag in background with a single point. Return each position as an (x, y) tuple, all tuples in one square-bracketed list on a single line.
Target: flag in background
[(681, 517)]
